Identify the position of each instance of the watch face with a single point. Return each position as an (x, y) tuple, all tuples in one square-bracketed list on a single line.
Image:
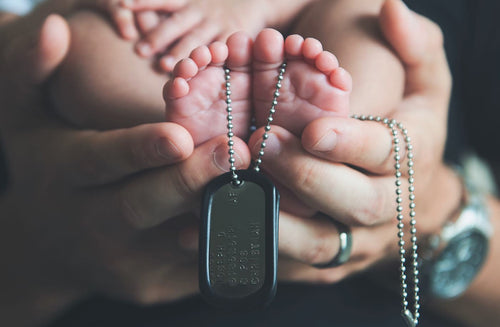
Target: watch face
[(458, 264)]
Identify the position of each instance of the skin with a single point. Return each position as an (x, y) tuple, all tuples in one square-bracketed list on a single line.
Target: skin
[(92, 89), (64, 148), (314, 85), (101, 201), (193, 101), (201, 22)]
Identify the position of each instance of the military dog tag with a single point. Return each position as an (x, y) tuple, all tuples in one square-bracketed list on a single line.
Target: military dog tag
[(239, 240)]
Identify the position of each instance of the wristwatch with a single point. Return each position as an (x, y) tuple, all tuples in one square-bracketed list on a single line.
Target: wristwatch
[(454, 257)]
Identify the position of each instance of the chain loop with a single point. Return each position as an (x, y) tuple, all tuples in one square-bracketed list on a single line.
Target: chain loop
[(411, 318)]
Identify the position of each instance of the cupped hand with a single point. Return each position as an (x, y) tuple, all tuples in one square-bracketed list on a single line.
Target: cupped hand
[(351, 177), (88, 211)]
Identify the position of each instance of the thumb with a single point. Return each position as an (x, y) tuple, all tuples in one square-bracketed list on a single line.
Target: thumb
[(27, 61), (31, 59), (51, 49), (419, 44)]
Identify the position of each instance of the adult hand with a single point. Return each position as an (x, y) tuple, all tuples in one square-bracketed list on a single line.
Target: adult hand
[(352, 177), (90, 211), (200, 22)]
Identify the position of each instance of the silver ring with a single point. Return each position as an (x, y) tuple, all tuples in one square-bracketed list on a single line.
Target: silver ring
[(345, 246)]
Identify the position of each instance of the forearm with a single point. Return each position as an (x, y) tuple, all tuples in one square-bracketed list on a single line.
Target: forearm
[(480, 304)]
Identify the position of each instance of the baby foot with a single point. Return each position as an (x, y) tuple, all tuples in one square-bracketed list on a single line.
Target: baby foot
[(196, 94), (313, 85)]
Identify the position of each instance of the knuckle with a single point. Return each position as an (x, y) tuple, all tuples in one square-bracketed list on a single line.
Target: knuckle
[(130, 213), (371, 211), (436, 35), (320, 250), (146, 157), (186, 184), (138, 156), (305, 177), (144, 154)]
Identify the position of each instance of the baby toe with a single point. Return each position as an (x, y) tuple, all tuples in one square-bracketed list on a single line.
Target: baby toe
[(175, 88), (268, 48), (341, 79), (240, 50), (326, 62), (293, 46), (186, 69), (201, 56), (311, 48), (219, 52)]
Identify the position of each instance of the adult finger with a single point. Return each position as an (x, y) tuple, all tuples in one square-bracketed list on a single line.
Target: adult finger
[(31, 58), (152, 197), (338, 190), (371, 145), (308, 241), (168, 6), (199, 35), (419, 44), (423, 110), (93, 157), (124, 20), (147, 20), (122, 17), (366, 145), (168, 31), (27, 62)]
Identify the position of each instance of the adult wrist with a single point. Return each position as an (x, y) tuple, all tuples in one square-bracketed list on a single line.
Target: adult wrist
[(440, 201), (454, 256)]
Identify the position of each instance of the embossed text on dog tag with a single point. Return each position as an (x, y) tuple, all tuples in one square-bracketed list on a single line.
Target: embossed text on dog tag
[(239, 240)]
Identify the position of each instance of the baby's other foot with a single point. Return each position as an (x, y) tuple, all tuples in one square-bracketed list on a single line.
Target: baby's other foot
[(313, 85), (196, 94)]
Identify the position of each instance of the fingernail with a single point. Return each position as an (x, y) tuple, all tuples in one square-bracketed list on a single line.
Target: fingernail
[(167, 149), (272, 146), (144, 49), (326, 143), (168, 63), (221, 158)]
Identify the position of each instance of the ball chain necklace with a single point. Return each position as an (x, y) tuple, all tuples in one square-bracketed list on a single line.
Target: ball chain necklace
[(410, 318), (239, 229)]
